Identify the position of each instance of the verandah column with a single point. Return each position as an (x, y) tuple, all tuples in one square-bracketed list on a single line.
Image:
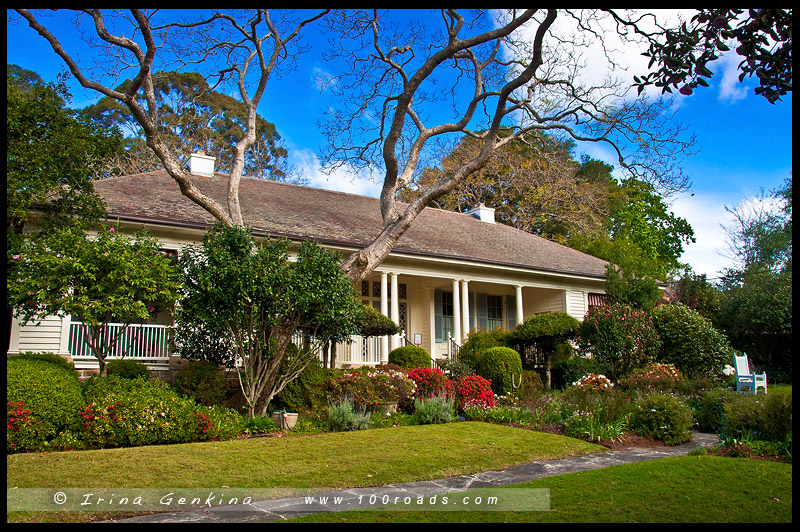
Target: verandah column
[(395, 312), (464, 311), (518, 289), (456, 311), (385, 312)]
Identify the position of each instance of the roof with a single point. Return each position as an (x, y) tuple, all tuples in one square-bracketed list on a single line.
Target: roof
[(303, 213)]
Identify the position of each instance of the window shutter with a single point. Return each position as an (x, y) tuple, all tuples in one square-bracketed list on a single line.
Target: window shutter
[(437, 313), (511, 312), (483, 316)]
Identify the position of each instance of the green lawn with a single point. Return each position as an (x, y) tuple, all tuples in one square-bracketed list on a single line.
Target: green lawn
[(689, 489), (321, 461)]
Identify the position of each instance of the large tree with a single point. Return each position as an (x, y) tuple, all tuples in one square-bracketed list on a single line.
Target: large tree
[(194, 117), (508, 72)]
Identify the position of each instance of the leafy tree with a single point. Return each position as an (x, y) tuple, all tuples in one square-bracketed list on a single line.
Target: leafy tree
[(756, 306), (696, 292), (392, 92), (192, 117), (546, 330), (110, 278), (763, 39), (50, 157), (261, 298)]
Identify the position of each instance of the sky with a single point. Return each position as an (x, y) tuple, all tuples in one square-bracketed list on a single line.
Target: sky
[(744, 141)]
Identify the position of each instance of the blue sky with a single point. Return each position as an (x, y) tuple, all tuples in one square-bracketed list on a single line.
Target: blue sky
[(745, 142)]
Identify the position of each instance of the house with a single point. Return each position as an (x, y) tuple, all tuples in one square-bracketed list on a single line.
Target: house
[(449, 274)]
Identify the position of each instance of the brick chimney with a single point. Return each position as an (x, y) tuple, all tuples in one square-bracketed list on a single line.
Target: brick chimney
[(201, 164)]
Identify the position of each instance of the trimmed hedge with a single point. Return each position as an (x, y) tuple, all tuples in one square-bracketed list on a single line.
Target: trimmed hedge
[(49, 394), (480, 340), (47, 357), (410, 357), (503, 366), (127, 369)]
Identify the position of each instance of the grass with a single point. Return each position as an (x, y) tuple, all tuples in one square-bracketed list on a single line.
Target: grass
[(321, 461), (688, 489)]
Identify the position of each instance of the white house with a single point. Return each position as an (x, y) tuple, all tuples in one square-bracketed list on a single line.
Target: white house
[(449, 274)]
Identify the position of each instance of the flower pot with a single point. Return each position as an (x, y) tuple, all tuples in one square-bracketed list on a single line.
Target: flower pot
[(388, 407), (285, 420)]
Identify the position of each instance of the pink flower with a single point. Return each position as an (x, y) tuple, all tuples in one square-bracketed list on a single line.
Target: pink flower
[(111, 230)]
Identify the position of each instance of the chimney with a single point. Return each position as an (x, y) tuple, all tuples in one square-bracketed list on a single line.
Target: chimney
[(201, 164), (483, 213)]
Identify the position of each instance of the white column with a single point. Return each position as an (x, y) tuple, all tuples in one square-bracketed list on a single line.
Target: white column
[(456, 311), (385, 312), (519, 304), (464, 311), (395, 314)]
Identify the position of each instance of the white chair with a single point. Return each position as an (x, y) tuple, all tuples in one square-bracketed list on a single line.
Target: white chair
[(745, 378)]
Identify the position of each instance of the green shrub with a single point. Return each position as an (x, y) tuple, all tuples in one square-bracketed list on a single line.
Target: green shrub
[(608, 406), (410, 357), (342, 417), (455, 369), (309, 391), (127, 369), (480, 340), (709, 409), (131, 412), (767, 417), (654, 377), (662, 417), (260, 425), (503, 366), (532, 386), (47, 357), (202, 381), (690, 341), (434, 410), (619, 336), (568, 370), (50, 393)]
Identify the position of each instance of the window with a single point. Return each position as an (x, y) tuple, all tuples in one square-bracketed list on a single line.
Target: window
[(494, 312), (371, 295)]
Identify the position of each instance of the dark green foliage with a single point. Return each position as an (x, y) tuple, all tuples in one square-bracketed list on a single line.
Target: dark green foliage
[(372, 323), (132, 412), (546, 329), (766, 417), (709, 407), (532, 386), (202, 381), (47, 357), (308, 392), (501, 365), (410, 357), (619, 336), (201, 340), (568, 370), (479, 340), (662, 417), (51, 393), (690, 341), (127, 369)]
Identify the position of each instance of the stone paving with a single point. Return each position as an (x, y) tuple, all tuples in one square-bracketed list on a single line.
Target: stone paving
[(291, 507)]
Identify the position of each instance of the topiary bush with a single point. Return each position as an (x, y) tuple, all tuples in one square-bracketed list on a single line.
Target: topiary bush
[(203, 381), (47, 395), (503, 366), (690, 341), (127, 369), (480, 340), (662, 417), (619, 336), (410, 357)]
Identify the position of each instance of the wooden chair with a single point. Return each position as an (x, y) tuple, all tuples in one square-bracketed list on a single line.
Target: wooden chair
[(745, 378)]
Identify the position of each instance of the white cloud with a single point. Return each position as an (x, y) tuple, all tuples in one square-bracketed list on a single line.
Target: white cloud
[(730, 89), (340, 179)]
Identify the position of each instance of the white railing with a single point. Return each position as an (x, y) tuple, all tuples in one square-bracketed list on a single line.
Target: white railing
[(360, 350), (147, 343)]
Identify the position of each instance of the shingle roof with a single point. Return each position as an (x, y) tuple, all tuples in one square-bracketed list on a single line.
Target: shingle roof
[(332, 217)]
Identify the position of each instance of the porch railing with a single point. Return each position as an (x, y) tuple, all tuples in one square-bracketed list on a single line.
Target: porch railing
[(147, 343)]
